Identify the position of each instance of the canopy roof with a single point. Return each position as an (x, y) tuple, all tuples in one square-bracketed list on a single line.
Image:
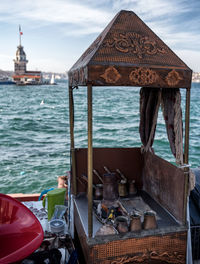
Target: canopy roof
[(129, 53)]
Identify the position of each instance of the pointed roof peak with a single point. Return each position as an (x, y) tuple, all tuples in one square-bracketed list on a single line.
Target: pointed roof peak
[(126, 43)]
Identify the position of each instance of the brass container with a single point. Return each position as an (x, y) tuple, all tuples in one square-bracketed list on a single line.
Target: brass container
[(121, 223), (98, 194), (122, 189), (132, 188), (135, 224), (110, 187), (149, 220)]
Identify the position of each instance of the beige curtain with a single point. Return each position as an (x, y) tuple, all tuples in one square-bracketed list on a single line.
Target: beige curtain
[(171, 107), (149, 105), (170, 100)]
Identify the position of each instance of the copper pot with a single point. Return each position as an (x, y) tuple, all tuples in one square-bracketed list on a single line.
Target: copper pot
[(132, 188), (149, 220), (122, 188), (110, 187), (135, 224), (121, 223), (98, 191)]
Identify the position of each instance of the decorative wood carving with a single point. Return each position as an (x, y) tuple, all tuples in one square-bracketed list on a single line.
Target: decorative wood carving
[(172, 258), (111, 75), (134, 43), (173, 78), (143, 76), (78, 76)]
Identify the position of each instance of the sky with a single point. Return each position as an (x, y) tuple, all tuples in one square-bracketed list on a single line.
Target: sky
[(57, 32)]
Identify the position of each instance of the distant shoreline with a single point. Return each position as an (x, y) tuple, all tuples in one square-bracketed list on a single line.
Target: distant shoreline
[(46, 75)]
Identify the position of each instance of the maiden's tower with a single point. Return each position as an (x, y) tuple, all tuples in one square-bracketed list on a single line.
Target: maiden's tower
[(21, 75)]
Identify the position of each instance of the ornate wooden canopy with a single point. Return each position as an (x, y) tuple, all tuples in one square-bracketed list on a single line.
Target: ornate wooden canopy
[(129, 53)]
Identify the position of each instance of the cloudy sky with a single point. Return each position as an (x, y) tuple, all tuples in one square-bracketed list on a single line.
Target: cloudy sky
[(57, 32)]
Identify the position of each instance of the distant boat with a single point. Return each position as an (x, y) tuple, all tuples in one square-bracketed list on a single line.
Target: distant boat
[(31, 81), (6, 80), (52, 82)]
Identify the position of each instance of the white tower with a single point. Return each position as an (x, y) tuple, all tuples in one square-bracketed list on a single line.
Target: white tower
[(20, 61)]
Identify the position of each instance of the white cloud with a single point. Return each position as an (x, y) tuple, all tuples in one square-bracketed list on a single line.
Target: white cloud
[(90, 17), (171, 20), (6, 62), (153, 9), (54, 11), (191, 58), (46, 64)]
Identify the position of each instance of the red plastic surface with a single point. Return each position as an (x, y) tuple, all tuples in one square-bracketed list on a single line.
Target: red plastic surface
[(20, 231)]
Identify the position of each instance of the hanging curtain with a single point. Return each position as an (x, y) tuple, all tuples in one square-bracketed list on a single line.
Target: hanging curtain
[(171, 107), (149, 105), (170, 100)]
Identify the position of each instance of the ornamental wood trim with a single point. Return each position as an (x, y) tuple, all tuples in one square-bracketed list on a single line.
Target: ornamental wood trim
[(169, 248)]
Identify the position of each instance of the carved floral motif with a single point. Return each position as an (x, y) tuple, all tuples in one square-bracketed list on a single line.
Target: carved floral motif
[(173, 78), (134, 43), (111, 75), (143, 76), (172, 258)]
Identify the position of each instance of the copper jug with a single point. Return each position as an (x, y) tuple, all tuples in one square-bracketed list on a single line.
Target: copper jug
[(98, 191), (122, 188), (121, 223), (110, 187), (132, 188), (149, 220), (135, 224)]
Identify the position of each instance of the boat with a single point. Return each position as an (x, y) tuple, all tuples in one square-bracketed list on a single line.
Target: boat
[(52, 81), (6, 80), (31, 81)]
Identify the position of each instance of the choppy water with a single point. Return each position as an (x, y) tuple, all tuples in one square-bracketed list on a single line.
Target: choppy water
[(34, 130)]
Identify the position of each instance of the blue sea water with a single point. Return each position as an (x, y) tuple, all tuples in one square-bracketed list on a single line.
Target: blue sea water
[(34, 130)]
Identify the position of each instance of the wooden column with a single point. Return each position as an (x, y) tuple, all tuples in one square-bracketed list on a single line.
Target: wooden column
[(72, 148), (90, 161), (186, 149), (187, 126)]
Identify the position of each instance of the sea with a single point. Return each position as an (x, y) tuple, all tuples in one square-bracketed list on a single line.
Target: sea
[(34, 130)]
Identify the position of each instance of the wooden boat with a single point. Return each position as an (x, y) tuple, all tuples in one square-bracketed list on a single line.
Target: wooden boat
[(128, 53)]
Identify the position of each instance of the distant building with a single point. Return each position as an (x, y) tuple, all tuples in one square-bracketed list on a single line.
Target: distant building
[(21, 75)]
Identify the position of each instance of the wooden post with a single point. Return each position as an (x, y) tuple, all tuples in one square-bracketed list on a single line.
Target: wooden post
[(186, 149), (90, 162), (72, 149), (187, 126)]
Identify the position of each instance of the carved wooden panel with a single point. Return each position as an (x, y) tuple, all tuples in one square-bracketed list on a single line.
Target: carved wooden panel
[(169, 248), (134, 44), (165, 183), (143, 76), (173, 78), (111, 75), (130, 76), (138, 76)]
